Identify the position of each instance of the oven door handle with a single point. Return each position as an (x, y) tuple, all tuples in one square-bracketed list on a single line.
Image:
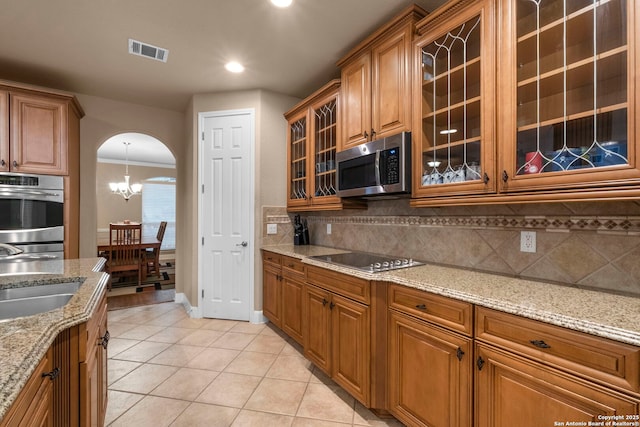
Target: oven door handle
[(32, 193)]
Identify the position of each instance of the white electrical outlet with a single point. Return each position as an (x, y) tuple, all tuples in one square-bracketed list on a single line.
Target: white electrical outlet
[(528, 241), (272, 228), (328, 228)]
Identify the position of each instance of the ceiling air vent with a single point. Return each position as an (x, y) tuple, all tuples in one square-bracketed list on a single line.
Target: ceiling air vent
[(147, 50)]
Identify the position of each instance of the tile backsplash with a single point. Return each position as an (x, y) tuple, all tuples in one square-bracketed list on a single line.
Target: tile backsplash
[(592, 245)]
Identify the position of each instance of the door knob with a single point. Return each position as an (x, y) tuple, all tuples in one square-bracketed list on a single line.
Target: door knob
[(243, 244)]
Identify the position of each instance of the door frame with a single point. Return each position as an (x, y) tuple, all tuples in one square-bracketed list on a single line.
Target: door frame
[(198, 310)]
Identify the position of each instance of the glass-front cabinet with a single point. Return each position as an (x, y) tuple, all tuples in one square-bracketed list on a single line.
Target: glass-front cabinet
[(313, 129), (453, 127), (567, 94)]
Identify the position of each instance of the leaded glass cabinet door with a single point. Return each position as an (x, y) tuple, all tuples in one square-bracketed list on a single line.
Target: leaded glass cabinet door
[(324, 116), (568, 93), (298, 160), (454, 150)]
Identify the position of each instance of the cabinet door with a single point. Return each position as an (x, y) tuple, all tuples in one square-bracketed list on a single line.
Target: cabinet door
[(453, 132), (324, 139), (356, 101), (292, 299), (391, 85), (568, 93), (272, 294), (4, 131), (39, 134), (317, 344), (511, 390), (350, 338), (298, 161), (430, 373)]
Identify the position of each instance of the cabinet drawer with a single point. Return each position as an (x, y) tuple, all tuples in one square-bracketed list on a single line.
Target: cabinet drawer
[(292, 267), (343, 284), (598, 359), (271, 258), (443, 311)]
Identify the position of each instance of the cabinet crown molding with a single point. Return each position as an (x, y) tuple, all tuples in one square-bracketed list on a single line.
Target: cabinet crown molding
[(304, 104), (40, 90)]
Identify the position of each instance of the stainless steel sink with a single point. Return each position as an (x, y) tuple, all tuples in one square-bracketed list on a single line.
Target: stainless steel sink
[(40, 290), (19, 307), (30, 300)]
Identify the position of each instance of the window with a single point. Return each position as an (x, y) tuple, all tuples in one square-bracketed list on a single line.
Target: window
[(159, 204)]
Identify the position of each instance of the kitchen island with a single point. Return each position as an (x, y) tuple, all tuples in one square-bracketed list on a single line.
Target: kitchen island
[(24, 341)]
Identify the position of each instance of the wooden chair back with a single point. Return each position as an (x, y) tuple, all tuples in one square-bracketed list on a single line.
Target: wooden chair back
[(161, 229), (153, 256), (125, 253)]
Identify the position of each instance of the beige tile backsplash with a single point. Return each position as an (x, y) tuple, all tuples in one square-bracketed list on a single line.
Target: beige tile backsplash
[(594, 245)]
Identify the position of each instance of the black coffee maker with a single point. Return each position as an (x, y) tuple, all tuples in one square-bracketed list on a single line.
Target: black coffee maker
[(300, 231)]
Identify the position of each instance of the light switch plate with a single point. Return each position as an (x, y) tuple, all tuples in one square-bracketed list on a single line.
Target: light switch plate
[(328, 228), (272, 228), (528, 241)]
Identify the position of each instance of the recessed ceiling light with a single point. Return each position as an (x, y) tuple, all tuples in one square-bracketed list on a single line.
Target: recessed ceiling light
[(234, 67), (281, 3)]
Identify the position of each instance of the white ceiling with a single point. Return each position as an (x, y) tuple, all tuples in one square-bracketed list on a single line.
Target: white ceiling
[(81, 45)]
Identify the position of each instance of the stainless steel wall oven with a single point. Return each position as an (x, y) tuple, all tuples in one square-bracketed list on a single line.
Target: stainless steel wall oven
[(32, 213)]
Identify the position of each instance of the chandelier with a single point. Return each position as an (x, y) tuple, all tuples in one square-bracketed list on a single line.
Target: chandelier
[(124, 188)]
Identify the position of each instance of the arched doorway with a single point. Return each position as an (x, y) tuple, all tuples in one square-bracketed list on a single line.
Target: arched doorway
[(148, 162)]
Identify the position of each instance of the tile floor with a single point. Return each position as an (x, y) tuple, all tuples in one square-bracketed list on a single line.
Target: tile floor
[(166, 369)]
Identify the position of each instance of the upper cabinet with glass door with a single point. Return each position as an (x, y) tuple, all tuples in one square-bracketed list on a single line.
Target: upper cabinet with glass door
[(313, 129), (453, 137), (568, 96)]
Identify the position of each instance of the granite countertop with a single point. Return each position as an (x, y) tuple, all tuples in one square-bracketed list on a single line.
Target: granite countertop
[(24, 340), (598, 313)]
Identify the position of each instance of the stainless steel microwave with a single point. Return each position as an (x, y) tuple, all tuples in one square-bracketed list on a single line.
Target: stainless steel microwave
[(380, 167)]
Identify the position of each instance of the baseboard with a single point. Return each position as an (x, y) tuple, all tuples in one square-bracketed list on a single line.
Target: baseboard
[(193, 312), (258, 317)]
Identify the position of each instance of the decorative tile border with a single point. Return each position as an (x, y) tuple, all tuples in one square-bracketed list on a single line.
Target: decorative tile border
[(609, 224)]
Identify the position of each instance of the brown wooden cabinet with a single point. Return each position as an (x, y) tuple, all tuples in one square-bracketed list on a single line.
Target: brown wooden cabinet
[(40, 133), (272, 287), (293, 278), (93, 367), (33, 407), (376, 82), (523, 365), (430, 367), (513, 390), (560, 122), (313, 132), (337, 329)]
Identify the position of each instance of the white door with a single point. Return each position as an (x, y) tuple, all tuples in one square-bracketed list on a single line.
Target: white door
[(226, 215)]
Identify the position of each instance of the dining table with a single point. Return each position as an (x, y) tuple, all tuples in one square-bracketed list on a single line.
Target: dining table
[(149, 240)]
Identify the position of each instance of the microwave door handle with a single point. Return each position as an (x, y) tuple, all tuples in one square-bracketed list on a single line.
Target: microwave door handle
[(378, 167), (9, 193)]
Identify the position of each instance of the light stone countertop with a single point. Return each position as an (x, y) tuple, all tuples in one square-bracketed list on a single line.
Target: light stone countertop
[(598, 313), (24, 340)]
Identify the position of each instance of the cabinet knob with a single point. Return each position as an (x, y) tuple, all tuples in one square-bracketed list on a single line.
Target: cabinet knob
[(421, 307), (52, 375), (373, 133), (3, 163), (480, 363), (15, 164), (366, 135), (486, 178), (331, 306), (459, 353), (324, 302), (505, 176)]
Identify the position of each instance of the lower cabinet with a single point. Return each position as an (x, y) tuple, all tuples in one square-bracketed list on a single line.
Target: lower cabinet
[(337, 339), (512, 390), (93, 369), (33, 407), (292, 295), (430, 367), (272, 288)]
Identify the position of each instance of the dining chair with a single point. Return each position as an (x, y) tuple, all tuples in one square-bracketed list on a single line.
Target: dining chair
[(125, 251), (153, 255)]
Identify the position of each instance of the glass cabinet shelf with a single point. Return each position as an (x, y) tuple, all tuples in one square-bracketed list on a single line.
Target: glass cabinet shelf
[(572, 85)]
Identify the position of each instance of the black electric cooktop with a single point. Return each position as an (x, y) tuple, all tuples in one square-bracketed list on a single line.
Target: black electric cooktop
[(371, 263)]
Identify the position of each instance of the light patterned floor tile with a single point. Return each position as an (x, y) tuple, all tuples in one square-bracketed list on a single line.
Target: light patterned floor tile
[(152, 411), (229, 390), (213, 359), (177, 355), (202, 415), (118, 403), (233, 341), (142, 352), (144, 379), (185, 384), (262, 419), (250, 363), (277, 396), (117, 369), (327, 403)]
